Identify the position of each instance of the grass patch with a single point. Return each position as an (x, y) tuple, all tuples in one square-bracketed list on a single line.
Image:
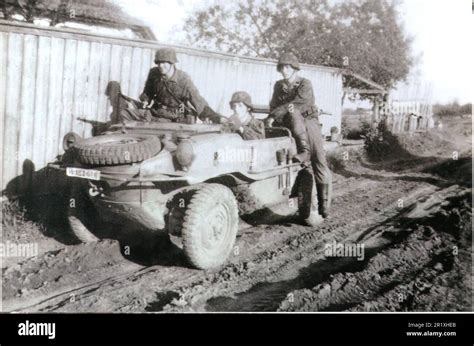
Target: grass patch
[(15, 223)]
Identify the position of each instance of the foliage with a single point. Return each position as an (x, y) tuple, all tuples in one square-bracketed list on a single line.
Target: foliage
[(61, 11), (452, 109), (380, 143), (354, 131), (336, 161), (363, 36)]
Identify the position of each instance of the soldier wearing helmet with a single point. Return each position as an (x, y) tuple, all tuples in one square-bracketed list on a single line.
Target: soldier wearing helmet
[(243, 121), (171, 94), (293, 106)]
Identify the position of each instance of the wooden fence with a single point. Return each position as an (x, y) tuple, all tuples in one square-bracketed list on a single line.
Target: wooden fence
[(409, 116)]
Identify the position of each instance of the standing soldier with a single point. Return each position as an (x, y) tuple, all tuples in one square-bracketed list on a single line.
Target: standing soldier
[(293, 106), (171, 94)]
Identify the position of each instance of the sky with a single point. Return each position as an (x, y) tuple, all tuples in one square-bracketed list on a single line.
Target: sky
[(442, 31)]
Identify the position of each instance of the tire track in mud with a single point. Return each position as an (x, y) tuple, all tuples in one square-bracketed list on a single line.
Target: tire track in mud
[(59, 299), (257, 297), (348, 290), (408, 276), (304, 250)]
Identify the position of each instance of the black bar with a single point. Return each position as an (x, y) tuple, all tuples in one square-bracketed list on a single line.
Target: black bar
[(290, 329)]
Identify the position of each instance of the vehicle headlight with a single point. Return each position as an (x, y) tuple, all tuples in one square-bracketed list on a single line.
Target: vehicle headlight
[(185, 154), (70, 139)]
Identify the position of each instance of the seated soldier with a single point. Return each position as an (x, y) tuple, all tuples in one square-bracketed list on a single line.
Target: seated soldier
[(242, 121)]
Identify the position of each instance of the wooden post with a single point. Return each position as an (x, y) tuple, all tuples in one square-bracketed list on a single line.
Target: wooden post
[(376, 111)]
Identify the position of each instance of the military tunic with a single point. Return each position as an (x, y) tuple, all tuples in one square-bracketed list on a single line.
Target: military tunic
[(252, 129), (293, 106), (175, 97), (299, 94)]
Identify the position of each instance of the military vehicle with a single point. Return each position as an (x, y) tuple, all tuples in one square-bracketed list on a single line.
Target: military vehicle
[(188, 180)]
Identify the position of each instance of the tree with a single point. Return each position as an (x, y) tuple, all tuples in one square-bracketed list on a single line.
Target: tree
[(90, 12), (363, 36)]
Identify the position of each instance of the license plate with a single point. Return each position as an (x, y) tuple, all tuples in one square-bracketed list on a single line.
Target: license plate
[(83, 173)]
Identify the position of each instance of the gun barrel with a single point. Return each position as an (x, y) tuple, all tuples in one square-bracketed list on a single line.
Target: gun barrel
[(92, 122)]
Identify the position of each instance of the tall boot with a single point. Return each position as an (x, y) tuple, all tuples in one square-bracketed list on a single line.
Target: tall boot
[(302, 145), (314, 219), (323, 199)]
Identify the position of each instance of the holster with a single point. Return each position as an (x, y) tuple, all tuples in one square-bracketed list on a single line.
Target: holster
[(311, 112)]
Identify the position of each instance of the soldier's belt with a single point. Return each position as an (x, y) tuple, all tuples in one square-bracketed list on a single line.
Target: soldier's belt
[(312, 116), (167, 108), (312, 112)]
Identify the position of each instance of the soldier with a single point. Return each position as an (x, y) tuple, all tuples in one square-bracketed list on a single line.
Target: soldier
[(124, 109), (171, 94), (243, 121), (293, 106)]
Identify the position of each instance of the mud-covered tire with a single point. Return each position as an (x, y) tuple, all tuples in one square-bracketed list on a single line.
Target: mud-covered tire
[(116, 149), (210, 226)]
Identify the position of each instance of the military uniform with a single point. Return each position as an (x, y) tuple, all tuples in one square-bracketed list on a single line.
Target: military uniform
[(252, 129), (124, 109), (293, 106), (300, 97), (175, 99)]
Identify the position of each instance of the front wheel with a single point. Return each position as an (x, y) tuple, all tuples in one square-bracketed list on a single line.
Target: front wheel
[(210, 226)]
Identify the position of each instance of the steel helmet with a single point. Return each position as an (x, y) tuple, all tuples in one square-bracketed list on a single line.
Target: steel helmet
[(288, 59), (241, 96), (166, 55)]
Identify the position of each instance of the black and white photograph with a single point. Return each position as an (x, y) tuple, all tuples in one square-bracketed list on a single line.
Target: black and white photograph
[(246, 156)]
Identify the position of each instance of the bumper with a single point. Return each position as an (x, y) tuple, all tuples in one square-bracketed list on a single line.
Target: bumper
[(148, 215), (131, 202)]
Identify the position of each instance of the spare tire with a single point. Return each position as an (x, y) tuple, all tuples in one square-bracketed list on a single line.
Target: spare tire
[(116, 149)]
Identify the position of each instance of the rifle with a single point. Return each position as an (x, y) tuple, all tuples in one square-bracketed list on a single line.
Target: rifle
[(97, 126), (264, 109), (92, 122)]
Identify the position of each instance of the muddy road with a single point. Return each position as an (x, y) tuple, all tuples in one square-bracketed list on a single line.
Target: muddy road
[(412, 214)]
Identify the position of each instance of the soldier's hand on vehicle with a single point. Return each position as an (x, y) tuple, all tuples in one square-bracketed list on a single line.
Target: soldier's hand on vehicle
[(144, 97), (208, 114), (269, 121), (223, 120)]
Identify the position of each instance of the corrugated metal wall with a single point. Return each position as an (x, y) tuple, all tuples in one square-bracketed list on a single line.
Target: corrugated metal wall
[(49, 77)]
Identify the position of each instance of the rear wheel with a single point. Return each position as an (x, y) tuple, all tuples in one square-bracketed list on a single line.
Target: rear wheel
[(210, 226)]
